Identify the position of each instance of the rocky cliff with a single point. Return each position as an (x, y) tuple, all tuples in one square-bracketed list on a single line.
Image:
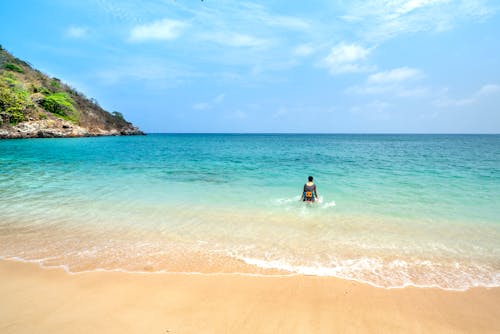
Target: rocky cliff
[(33, 104)]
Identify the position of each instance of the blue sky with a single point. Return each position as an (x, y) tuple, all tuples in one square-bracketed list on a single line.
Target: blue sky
[(272, 66)]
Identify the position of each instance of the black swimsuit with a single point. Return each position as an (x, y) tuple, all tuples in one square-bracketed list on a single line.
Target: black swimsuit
[(309, 193)]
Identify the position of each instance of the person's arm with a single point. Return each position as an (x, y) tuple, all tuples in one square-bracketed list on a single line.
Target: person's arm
[(303, 193), (315, 192)]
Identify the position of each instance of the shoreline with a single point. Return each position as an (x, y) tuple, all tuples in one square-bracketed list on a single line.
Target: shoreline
[(260, 272), (37, 299)]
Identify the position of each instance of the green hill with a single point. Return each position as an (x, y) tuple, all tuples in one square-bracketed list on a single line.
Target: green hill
[(33, 104)]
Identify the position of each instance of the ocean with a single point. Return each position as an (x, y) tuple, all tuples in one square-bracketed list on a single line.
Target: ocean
[(394, 210)]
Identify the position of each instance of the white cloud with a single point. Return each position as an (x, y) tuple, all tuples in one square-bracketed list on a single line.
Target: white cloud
[(395, 75), (165, 29), (405, 7), (347, 53), (240, 36), (76, 32), (395, 82), (345, 58)]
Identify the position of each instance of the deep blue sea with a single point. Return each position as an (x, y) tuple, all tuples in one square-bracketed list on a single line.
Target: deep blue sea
[(394, 210)]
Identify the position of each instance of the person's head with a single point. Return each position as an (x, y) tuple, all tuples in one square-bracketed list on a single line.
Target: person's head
[(310, 178)]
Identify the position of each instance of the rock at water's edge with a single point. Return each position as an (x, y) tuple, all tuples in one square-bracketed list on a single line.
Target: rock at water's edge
[(58, 128)]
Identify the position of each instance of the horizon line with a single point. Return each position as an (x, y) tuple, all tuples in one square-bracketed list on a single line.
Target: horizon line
[(330, 133)]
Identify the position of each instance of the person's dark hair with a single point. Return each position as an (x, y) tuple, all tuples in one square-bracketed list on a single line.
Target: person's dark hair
[(310, 178)]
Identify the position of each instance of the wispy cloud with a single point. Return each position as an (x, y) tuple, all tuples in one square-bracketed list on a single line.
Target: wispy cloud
[(395, 75), (346, 58), (76, 32), (248, 37), (248, 15), (383, 19), (259, 34), (486, 91), (165, 29), (371, 23), (395, 82)]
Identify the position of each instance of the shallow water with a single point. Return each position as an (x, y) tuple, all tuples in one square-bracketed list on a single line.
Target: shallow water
[(395, 210)]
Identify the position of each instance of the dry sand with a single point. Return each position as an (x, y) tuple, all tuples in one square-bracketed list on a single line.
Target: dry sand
[(36, 300)]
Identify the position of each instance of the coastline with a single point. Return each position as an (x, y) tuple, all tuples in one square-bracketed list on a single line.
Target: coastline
[(49, 300), (58, 128)]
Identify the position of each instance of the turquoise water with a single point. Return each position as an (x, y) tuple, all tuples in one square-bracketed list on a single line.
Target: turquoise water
[(395, 210)]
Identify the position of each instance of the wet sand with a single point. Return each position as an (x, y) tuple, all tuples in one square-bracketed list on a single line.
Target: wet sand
[(36, 300)]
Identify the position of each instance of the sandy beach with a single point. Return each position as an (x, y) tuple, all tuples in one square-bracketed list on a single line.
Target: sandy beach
[(38, 300)]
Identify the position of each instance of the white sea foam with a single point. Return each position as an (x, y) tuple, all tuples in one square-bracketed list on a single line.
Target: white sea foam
[(395, 274), (373, 271), (297, 199), (330, 204)]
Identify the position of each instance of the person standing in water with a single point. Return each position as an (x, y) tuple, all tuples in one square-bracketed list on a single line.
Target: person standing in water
[(309, 194)]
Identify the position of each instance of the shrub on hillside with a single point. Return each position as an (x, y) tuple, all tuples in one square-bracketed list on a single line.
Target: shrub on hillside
[(14, 102), (55, 84), (13, 67), (11, 81), (60, 104), (118, 115), (41, 89)]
